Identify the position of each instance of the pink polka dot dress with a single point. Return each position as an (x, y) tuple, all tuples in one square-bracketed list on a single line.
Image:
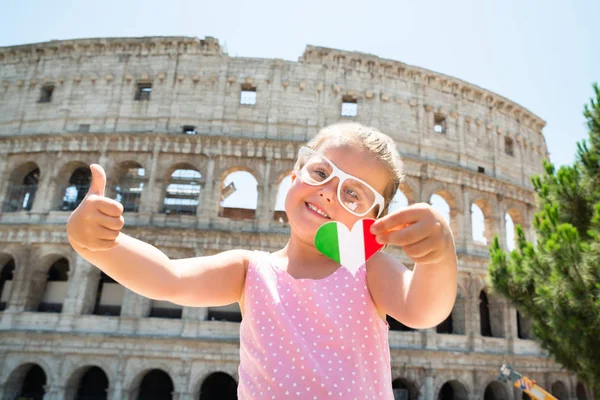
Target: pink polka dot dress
[(311, 339)]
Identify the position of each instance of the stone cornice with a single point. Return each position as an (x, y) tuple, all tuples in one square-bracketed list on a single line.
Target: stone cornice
[(153, 45), (385, 68)]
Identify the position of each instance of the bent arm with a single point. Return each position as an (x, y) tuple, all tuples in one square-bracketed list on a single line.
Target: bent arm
[(144, 269)]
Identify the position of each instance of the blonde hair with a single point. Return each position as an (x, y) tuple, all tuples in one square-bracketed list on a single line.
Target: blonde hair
[(381, 146)]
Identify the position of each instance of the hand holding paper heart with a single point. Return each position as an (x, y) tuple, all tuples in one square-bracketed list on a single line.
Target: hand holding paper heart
[(349, 248), (420, 230)]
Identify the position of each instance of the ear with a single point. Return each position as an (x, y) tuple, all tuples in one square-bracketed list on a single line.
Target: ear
[(293, 176)]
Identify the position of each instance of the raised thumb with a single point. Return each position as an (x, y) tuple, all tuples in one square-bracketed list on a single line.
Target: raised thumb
[(98, 180)]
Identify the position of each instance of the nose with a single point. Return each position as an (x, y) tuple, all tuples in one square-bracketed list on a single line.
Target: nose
[(328, 190)]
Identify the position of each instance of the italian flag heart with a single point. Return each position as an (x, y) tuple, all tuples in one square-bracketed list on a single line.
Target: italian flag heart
[(349, 248)]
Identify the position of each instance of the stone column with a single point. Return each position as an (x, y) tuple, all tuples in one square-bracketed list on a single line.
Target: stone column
[(190, 318), (115, 391), (4, 183), (264, 206), (47, 191), (148, 201), (427, 390), (54, 392), (465, 234), (83, 284), (204, 205)]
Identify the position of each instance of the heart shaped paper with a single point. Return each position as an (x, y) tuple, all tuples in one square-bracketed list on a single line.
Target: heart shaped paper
[(349, 248)]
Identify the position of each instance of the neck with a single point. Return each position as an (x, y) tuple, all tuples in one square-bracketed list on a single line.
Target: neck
[(301, 253)]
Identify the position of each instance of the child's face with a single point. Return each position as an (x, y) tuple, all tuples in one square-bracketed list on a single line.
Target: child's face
[(301, 197)]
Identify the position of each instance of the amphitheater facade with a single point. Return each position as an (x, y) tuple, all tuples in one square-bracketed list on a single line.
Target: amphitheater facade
[(170, 119)]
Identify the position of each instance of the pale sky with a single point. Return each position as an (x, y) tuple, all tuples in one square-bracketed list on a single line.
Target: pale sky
[(539, 54)]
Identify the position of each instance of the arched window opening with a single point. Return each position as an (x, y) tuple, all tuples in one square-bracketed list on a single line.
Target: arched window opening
[(93, 385), (165, 309), (445, 326), (484, 315), (510, 232), (156, 384), (581, 392), (218, 386), (20, 195), (109, 296), (495, 391), (396, 325), (239, 196), (398, 202), (129, 189), (284, 186), (6, 280), (441, 206), (56, 287), (559, 390), (523, 326), (79, 186), (453, 390), (404, 389), (478, 224), (33, 384), (231, 313), (182, 193)]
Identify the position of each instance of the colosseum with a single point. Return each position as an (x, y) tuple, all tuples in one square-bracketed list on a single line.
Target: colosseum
[(181, 128)]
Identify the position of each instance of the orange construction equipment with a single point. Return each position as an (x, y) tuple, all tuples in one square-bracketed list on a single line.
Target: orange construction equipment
[(508, 373)]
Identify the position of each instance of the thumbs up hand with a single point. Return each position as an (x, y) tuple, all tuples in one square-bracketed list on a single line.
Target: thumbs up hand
[(97, 222)]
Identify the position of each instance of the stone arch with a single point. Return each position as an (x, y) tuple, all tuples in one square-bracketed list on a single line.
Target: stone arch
[(22, 187), (130, 177), (486, 206), (87, 382), (405, 389), (149, 378), (491, 315), (455, 322), (284, 181), (410, 188), (244, 203), (513, 216), (7, 271), (523, 326), (452, 390), (218, 386), (28, 379), (495, 390), (109, 296), (55, 286), (74, 179), (399, 201), (559, 390), (442, 206), (181, 192), (581, 392)]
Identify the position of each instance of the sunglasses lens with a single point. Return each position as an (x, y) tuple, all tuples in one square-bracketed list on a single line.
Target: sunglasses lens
[(357, 197)]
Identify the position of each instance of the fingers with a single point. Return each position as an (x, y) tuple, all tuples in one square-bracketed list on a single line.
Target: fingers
[(98, 184), (102, 233), (109, 222), (405, 216), (406, 236), (107, 206)]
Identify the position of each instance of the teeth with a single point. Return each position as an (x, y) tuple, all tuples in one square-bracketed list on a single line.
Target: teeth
[(317, 210)]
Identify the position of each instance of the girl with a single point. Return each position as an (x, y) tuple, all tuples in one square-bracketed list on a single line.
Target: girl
[(311, 329)]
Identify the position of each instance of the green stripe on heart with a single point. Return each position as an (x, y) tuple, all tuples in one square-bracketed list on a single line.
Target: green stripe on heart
[(351, 249)]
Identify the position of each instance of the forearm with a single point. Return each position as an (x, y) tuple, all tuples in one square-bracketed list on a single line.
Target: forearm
[(432, 290), (136, 265)]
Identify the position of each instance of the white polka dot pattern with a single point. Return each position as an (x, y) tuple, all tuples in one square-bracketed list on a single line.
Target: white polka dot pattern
[(311, 339)]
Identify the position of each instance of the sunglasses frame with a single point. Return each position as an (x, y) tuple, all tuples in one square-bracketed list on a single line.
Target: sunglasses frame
[(342, 176)]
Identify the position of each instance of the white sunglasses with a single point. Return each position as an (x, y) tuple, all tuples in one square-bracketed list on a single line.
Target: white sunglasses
[(355, 195)]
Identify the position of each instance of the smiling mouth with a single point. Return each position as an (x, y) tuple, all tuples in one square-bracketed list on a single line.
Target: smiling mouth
[(316, 210)]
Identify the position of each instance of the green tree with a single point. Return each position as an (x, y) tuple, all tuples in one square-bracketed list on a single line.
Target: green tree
[(556, 281)]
